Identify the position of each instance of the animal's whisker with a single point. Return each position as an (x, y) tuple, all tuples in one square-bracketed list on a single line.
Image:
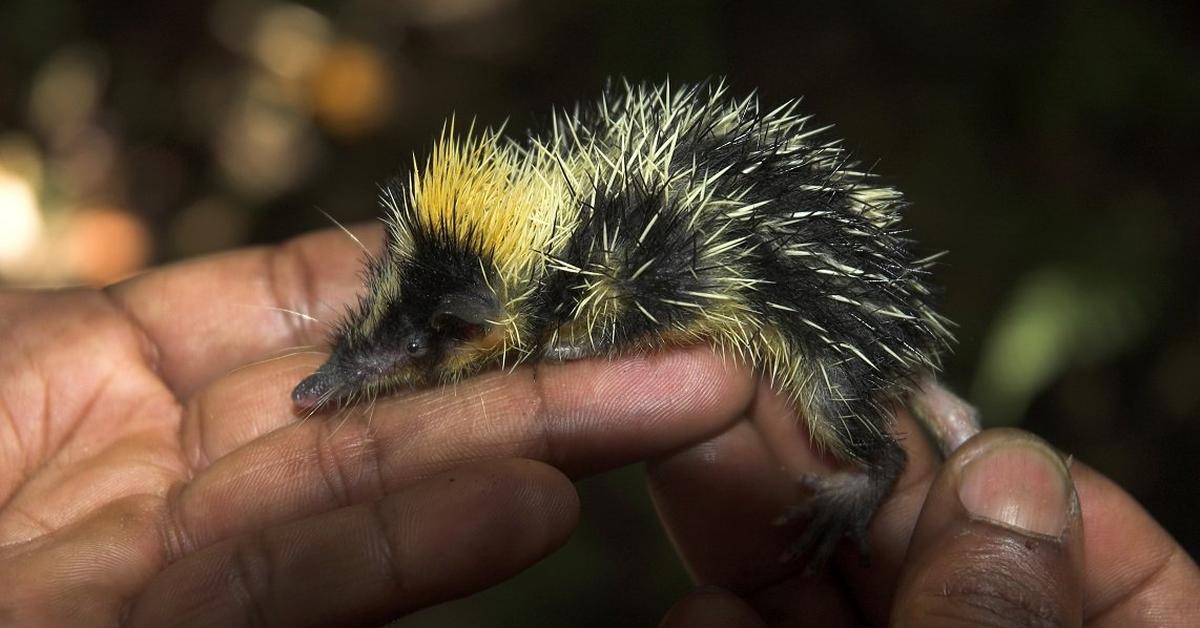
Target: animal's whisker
[(345, 231), (276, 358), (283, 310)]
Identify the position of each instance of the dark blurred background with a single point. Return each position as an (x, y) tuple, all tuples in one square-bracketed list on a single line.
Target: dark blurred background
[(1049, 146)]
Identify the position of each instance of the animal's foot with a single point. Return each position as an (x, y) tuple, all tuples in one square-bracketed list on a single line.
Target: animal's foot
[(841, 506)]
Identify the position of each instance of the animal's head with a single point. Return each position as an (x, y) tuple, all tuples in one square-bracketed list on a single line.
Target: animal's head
[(465, 238)]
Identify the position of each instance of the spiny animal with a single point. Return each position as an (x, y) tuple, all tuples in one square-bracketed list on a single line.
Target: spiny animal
[(653, 218)]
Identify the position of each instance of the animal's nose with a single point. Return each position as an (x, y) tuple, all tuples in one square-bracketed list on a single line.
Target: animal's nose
[(312, 392)]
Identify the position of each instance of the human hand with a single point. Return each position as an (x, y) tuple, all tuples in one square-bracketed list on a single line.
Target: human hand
[(1002, 534), (149, 478), (145, 476)]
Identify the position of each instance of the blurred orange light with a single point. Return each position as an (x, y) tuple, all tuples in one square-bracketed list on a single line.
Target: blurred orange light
[(106, 244), (350, 89)]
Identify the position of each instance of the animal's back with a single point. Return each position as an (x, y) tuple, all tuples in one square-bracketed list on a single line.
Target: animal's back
[(703, 219)]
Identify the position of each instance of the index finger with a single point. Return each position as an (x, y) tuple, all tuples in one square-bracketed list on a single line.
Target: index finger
[(206, 316)]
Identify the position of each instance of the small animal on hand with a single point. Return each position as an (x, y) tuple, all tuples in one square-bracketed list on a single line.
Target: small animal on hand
[(657, 217)]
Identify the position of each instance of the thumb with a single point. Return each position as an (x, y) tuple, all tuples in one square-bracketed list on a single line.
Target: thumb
[(998, 542)]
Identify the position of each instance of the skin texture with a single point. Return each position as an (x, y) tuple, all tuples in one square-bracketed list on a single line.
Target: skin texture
[(153, 472)]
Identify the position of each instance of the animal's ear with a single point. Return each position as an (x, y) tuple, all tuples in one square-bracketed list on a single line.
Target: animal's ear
[(467, 315)]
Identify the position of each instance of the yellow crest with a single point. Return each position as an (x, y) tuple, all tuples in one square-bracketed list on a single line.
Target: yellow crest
[(502, 201)]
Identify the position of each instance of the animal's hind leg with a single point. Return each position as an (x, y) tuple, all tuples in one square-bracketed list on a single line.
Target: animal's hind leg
[(842, 505)]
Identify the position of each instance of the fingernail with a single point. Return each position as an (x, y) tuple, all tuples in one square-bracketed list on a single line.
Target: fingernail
[(1021, 484)]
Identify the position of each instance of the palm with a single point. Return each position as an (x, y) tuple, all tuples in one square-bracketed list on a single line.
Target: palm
[(94, 445), (102, 441)]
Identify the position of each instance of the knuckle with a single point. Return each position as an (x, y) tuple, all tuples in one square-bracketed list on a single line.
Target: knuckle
[(348, 461), (192, 436), (541, 423), (177, 537), (1006, 583), (997, 602), (330, 465), (248, 579), (388, 548), (291, 284)]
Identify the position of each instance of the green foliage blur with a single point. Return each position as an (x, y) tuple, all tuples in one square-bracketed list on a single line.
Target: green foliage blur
[(1050, 147)]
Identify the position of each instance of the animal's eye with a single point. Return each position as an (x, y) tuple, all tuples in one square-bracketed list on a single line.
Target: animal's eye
[(416, 348)]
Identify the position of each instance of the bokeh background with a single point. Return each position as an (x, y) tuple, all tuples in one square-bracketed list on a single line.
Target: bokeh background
[(1051, 147)]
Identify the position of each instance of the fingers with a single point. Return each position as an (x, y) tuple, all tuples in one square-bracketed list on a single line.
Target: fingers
[(1111, 564), (718, 499), (1136, 573), (579, 416), (999, 541), (241, 406), (208, 316), (435, 540), (711, 608)]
